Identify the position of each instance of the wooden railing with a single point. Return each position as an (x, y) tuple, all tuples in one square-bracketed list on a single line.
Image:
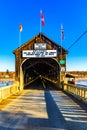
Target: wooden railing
[(77, 91)]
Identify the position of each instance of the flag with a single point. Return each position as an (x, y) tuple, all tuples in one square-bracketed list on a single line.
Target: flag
[(42, 18), (62, 32), (20, 28)]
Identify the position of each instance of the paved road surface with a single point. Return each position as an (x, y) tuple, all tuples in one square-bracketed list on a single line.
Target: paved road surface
[(42, 110)]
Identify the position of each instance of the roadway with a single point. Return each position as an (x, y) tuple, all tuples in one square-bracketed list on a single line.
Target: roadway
[(42, 110)]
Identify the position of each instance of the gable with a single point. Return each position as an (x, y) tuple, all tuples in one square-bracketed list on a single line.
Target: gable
[(41, 38)]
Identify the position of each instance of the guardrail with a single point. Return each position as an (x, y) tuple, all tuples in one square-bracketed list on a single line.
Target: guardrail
[(77, 91), (8, 90)]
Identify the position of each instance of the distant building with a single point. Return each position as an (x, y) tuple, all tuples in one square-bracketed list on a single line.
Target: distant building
[(7, 75), (78, 74)]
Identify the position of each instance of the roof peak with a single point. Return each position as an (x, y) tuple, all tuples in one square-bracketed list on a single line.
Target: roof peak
[(46, 39)]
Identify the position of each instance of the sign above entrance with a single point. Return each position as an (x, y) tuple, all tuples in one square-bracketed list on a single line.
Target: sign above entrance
[(39, 53), (40, 46)]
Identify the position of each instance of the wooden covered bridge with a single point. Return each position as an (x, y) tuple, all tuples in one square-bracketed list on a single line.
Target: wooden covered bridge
[(40, 58)]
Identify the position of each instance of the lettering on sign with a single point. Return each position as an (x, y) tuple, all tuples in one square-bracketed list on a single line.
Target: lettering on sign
[(40, 46), (39, 53)]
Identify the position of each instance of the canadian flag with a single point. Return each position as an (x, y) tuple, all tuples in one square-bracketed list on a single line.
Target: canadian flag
[(42, 18)]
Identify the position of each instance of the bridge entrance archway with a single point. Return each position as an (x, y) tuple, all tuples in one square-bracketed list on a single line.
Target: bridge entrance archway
[(39, 58), (43, 69)]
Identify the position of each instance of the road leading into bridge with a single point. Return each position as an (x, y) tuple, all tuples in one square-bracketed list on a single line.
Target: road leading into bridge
[(42, 110)]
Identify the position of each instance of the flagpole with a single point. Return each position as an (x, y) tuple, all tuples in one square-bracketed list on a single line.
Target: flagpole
[(61, 49), (61, 42), (19, 57), (19, 38), (40, 23), (40, 26), (20, 30)]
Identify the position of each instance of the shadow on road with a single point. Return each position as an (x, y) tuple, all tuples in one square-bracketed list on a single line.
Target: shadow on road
[(77, 101), (55, 118)]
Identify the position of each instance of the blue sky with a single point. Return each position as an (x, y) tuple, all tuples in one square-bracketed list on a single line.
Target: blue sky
[(72, 14)]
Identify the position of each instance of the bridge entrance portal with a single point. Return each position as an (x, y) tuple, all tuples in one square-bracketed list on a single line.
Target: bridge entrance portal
[(43, 69), (40, 59)]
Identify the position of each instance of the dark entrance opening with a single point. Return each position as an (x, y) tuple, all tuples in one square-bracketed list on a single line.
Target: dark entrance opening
[(41, 73)]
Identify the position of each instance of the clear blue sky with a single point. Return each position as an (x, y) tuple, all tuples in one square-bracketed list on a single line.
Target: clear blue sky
[(71, 13)]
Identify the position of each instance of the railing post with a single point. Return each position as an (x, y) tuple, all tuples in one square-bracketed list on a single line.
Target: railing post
[(84, 94)]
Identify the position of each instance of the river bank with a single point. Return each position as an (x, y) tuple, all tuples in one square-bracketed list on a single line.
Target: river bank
[(5, 82)]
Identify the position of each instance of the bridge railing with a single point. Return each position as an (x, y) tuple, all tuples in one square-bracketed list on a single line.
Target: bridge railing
[(77, 91), (8, 90)]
